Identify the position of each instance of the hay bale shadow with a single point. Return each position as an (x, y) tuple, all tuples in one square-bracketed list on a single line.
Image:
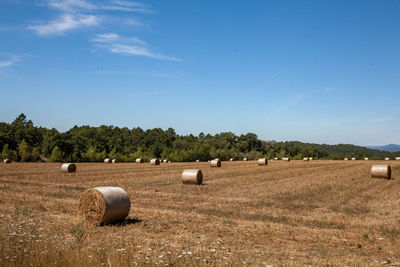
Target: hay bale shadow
[(127, 221)]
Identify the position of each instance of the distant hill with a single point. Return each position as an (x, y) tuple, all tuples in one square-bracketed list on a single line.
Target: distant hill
[(389, 148)]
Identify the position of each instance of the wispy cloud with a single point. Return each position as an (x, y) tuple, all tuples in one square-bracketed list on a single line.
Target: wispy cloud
[(128, 46), (11, 60), (64, 23), (109, 38), (71, 5), (83, 5), (76, 14)]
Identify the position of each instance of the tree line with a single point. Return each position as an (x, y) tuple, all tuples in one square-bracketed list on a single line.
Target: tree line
[(20, 140)]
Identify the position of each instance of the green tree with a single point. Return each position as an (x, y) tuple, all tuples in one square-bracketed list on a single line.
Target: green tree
[(90, 155), (24, 151), (9, 153), (35, 155), (56, 155), (5, 152)]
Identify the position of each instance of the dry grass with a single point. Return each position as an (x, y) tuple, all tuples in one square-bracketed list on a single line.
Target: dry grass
[(296, 213)]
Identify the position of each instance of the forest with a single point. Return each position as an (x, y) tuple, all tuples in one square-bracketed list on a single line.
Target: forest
[(22, 141)]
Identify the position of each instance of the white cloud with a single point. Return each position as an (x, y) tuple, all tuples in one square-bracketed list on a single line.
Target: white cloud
[(127, 3), (138, 51), (133, 22), (65, 22), (76, 14), (70, 5), (10, 61), (83, 5), (127, 46), (107, 38)]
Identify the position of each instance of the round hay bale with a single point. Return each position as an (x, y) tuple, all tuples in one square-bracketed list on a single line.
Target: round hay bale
[(68, 167), (197, 160), (165, 161), (7, 161), (366, 158), (104, 204), (169, 161), (209, 161), (397, 158), (346, 159), (387, 158), (244, 159), (305, 159), (353, 158), (114, 161), (192, 176), (381, 171), (262, 161), (139, 160), (231, 159), (215, 163), (107, 160), (155, 162), (311, 158), (275, 158), (286, 159)]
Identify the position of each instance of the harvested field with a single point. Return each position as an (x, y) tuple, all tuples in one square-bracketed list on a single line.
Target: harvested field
[(288, 213)]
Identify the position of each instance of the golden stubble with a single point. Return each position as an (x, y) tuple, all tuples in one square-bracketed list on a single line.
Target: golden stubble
[(286, 213)]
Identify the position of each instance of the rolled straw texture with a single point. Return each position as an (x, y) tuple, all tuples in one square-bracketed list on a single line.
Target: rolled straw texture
[(105, 204)]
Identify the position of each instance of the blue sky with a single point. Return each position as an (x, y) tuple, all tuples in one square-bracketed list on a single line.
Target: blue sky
[(313, 71)]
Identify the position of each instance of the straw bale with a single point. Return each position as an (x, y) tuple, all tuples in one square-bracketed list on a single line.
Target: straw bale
[(139, 160), (68, 167), (105, 204), (262, 161), (155, 162), (192, 176), (215, 163), (381, 171)]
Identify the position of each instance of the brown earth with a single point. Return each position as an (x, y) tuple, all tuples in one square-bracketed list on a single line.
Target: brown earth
[(287, 213)]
